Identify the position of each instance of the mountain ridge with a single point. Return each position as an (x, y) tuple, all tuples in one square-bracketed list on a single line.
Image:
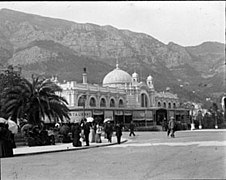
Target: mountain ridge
[(46, 41)]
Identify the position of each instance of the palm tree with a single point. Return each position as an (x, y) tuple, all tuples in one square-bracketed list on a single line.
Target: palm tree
[(34, 101)]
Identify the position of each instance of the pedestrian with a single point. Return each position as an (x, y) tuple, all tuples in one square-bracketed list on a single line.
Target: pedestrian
[(164, 124), (109, 130), (93, 132), (98, 133), (132, 128), (6, 142), (171, 127), (76, 131), (104, 128), (118, 132), (86, 129)]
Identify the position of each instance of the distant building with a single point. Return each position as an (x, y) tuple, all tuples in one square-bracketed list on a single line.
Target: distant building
[(119, 89), (119, 95)]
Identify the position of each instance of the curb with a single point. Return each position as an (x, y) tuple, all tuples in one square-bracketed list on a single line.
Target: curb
[(71, 149)]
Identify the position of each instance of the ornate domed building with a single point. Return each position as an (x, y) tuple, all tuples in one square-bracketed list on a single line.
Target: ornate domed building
[(121, 97), (117, 78)]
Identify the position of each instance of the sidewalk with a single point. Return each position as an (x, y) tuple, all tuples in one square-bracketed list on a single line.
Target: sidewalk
[(207, 130), (59, 147)]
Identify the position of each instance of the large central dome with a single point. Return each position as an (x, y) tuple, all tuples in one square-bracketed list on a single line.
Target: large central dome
[(117, 78)]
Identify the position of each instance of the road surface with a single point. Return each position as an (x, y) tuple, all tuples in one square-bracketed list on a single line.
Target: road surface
[(148, 155)]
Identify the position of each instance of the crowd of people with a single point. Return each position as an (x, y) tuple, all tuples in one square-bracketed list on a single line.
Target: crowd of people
[(93, 132), (75, 133)]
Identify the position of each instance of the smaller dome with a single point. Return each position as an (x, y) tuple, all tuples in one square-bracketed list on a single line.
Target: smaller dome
[(149, 78), (135, 75)]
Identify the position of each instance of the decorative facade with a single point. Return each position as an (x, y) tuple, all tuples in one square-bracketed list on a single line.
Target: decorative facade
[(119, 90)]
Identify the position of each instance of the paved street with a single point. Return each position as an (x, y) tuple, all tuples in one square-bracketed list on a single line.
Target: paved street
[(149, 155)]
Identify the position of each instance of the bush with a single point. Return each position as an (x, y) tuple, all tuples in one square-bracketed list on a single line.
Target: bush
[(222, 125)]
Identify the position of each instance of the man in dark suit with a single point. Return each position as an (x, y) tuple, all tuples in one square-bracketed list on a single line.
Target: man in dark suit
[(131, 128), (118, 131), (86, 128)]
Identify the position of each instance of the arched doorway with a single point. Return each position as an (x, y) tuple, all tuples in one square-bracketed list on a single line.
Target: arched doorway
[(161, 116)]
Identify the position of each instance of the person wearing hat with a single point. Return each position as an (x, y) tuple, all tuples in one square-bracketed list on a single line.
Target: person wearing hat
[(118, 131), (171, 126), (109, 130)]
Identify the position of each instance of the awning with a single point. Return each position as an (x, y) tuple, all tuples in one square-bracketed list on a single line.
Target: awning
[(128, 113), (108, 114), (118, 113), (98, 112)]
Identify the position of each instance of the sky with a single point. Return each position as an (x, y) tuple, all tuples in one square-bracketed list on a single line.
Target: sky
[(187, 23)]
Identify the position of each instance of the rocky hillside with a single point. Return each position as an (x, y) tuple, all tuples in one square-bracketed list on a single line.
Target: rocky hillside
[(50, 46)]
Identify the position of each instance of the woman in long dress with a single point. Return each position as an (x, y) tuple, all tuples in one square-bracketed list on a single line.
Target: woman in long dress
[(98, 133), (93, 132)]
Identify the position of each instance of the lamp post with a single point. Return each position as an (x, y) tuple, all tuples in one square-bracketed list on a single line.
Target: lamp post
[(223, 103), (84, 103), (200, 119), (192, 120), (215, 118)]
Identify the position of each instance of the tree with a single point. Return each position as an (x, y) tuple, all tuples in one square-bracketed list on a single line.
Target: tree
[(217, 115), (34, 101), (8, 79)]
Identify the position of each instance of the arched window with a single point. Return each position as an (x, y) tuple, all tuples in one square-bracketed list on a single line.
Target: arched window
[(120, 104), (112, 103), (144, 100), (102, 102), (174, 105), (159, 104), (81, 101), (164, 105), (92, 102), (169, 105)]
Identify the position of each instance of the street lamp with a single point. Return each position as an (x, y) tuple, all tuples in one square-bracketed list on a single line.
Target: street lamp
[(192, 120), (215, 117), (223, 103), (200, 119)]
